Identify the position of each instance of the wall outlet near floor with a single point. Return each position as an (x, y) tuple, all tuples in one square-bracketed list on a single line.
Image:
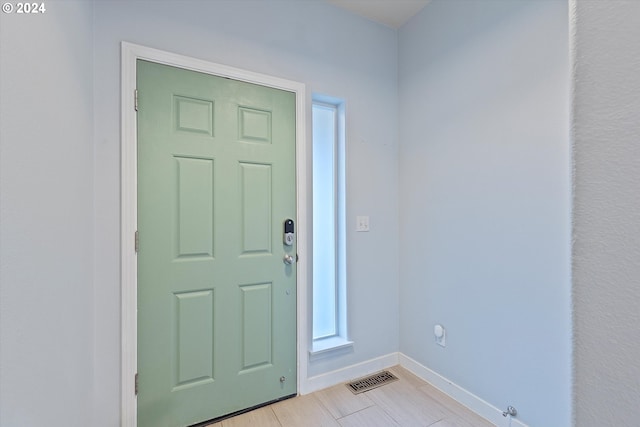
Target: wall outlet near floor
[(440, 335), (362, 223)]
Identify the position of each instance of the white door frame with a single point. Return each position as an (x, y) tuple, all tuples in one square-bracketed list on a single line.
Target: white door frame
[(130, 53)]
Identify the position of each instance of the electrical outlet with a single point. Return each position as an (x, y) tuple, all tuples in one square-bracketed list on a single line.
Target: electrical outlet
[(440, 335), (362, 223)]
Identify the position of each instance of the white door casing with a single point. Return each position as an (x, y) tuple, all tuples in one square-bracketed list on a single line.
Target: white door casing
[(130, 53)]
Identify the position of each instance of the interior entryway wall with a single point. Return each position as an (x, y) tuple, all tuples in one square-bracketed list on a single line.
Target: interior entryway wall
[(486, 235), (606, 267), (275, 41)]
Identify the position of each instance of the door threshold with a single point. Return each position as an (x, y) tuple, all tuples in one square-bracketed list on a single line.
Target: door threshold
[(242, 411)]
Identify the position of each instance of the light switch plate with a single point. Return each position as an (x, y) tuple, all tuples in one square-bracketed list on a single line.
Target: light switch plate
[(362, 223)]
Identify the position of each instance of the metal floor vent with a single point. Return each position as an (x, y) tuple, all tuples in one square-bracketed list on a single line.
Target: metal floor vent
[(372, 381)]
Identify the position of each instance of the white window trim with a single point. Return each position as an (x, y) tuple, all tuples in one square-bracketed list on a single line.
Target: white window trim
[(329, 347), (130, 53)]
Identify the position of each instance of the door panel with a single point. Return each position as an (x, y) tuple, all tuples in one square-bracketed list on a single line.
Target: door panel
[(194, 338), (256, 326), (194, 226), (255, 188), (216, 303)]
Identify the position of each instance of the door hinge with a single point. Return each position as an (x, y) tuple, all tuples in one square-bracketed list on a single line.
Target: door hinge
[(135, 99), (136, 384), (136, 241)]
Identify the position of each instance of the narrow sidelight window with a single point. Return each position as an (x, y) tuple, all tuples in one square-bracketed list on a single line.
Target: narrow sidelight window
[(329, 275)]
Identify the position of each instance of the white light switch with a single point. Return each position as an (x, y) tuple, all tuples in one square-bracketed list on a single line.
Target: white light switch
[(362, 223)]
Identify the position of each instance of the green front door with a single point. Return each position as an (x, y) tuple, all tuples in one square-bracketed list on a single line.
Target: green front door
[(216, 302)]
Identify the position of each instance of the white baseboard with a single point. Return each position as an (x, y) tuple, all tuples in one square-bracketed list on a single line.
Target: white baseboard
[(348, 373), (465, 397)]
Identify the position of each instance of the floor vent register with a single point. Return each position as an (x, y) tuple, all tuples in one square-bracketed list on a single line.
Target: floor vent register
[(372, 381)]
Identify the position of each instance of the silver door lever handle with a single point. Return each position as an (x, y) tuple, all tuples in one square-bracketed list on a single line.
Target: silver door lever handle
[(289, 259)]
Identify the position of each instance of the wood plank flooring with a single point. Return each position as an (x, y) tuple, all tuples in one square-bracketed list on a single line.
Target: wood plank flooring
[(409, 402)]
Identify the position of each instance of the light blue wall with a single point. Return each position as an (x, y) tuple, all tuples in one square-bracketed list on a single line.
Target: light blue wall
[(60, 266), (332, 51), (46, 217), (485, 193)]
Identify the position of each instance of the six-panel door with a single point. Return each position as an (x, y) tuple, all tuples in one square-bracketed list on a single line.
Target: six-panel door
[(216, 302)]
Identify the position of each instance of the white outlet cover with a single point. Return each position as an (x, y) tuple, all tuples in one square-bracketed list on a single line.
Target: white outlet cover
[(440, 335), (362, 223)]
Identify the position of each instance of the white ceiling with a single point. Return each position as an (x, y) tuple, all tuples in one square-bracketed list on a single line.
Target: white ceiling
[(392, 13)]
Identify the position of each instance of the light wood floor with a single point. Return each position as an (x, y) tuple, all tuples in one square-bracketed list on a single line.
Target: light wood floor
[(408, 402)]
